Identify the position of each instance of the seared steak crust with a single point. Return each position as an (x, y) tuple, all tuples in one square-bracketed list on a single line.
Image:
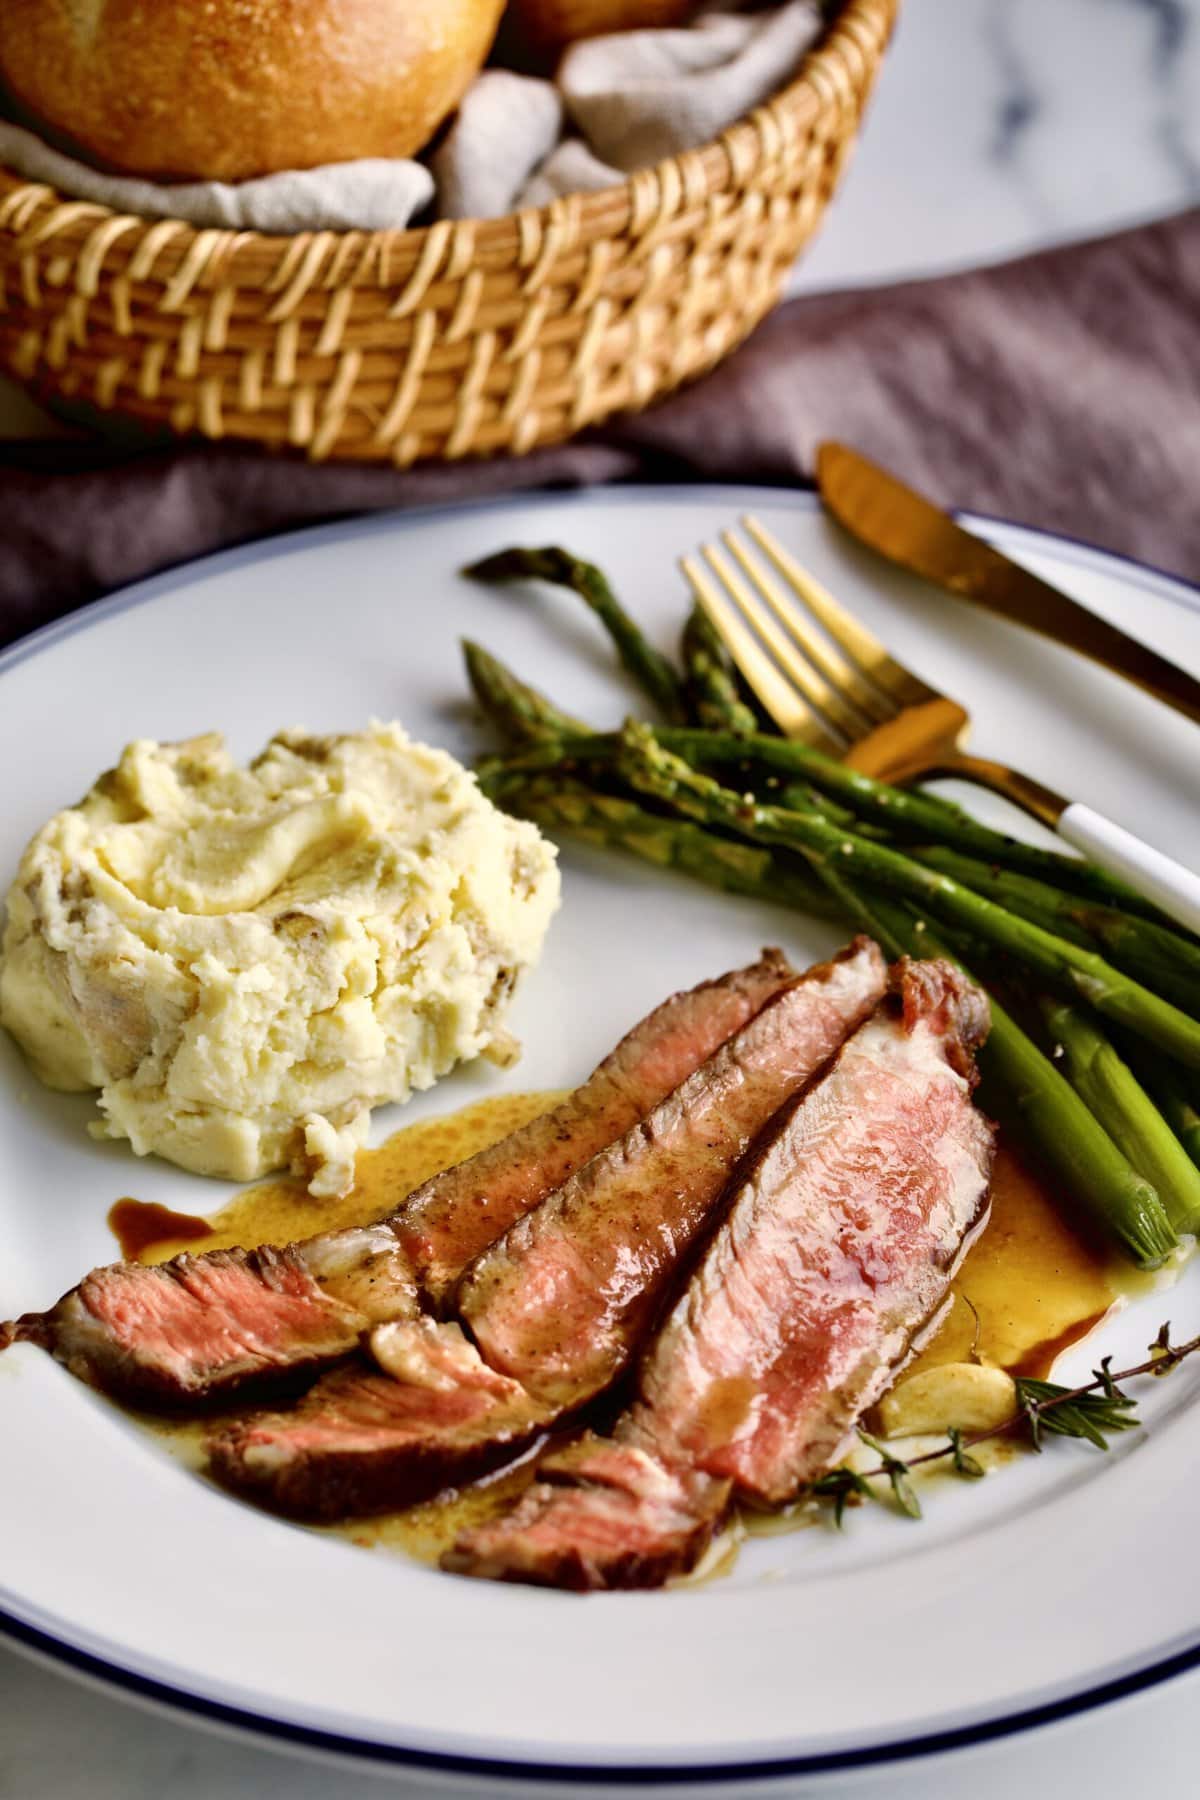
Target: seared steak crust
[(446, 1223), (837, 1252), (360, 1443), (562, 1300), (202, 1328), (602, 1514)]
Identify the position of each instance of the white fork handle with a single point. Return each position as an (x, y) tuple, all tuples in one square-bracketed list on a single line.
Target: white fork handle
[(1160, 878)]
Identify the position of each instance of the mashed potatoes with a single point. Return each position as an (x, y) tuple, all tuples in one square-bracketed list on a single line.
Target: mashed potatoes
[(246, 961)]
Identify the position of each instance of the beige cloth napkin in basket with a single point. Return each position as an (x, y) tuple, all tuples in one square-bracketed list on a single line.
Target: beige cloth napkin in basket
[(617, 104)]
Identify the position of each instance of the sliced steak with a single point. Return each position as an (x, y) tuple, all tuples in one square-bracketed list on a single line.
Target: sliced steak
[(446, 1223), (363, 1442), (838, 1254), (202, 1327), (602, 1514), (564, 1297), (834, 1260), (619, 1230)]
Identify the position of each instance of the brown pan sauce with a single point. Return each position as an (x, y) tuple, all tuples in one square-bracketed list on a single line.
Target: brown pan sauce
[(280, 1211), (1034, 1283)]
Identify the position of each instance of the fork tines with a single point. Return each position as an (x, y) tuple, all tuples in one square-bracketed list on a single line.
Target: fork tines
[(819, 673)]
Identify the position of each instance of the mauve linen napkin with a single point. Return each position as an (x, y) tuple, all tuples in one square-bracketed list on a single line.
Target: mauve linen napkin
[(1061, 390)]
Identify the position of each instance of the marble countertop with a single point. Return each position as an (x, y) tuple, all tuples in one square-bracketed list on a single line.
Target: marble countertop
[(998, 126)]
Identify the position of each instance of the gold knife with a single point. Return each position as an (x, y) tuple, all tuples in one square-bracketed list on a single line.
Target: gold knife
[(909, 530)]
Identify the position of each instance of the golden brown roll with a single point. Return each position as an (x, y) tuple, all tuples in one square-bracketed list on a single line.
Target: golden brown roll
[(557, 22), (226, 89)]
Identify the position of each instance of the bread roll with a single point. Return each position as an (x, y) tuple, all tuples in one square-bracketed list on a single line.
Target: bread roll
[(552, 23), (227, 89)]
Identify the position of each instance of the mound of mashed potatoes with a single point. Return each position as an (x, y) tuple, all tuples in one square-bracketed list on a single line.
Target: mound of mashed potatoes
[(245, 961)]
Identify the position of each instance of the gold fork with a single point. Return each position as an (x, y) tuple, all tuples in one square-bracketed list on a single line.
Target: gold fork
[(828, 682)]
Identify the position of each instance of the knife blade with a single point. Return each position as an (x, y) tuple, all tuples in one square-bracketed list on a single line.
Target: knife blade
[(909, 530)]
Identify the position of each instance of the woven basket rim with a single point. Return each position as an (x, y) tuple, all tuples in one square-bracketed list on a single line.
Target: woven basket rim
[(727, 164)]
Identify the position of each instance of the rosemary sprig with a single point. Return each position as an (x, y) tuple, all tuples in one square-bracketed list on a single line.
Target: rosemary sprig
[(1092, 1412)]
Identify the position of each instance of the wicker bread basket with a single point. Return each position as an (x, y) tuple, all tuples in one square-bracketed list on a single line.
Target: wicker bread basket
[(456, 340)]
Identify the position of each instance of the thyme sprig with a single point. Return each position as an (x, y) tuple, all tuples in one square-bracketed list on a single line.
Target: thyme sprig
[(897, 1472), (1093, 1412), (1045, 1407)]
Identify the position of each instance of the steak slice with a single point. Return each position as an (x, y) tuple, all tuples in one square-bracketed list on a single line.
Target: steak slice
[(834, 1260), (360, 1442), (603, 1513), (200, 1328), (562, 1299), (446, 1223), (838, 1255), (628, 1220)]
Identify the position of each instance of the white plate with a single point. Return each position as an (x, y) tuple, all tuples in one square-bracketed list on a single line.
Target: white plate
[(1058, 1582)]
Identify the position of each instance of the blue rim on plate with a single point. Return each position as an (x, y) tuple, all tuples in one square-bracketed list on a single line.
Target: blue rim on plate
[(161, 1694), (43, 1645)]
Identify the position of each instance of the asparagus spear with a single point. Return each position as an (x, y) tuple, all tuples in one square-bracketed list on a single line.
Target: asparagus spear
[(736, 868), (1048, 1111), (712, 689), (911, 812), (1171, 1094), (651, 769), (527, 720), (1075, 1144), (1160, 959), (777, 766), (652, 671), (1111, 1091), (519, 712), (794, 796), (643, 761), (906, 811)]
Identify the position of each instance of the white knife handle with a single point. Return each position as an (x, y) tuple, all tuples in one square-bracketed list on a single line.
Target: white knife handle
[(1160, 878)]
